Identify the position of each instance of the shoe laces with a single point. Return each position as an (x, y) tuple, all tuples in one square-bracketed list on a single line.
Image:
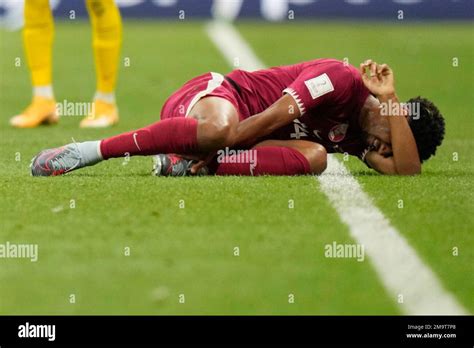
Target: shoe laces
[(60, 161)]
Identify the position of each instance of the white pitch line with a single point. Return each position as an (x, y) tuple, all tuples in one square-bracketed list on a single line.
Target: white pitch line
[(232, 46), (398, 266), (395, 261)]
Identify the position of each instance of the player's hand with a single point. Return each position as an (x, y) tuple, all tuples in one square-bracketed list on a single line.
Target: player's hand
[(201, 163), (382, 164), (378, 78)]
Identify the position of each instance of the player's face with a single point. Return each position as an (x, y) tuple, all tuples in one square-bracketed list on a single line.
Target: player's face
[(376, 144), (378, 134)]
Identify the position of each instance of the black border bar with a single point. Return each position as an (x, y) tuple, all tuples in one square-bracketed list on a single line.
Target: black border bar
[(288, 330)]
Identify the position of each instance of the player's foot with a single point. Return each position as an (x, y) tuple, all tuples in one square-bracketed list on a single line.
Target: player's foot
[(103, 115), (57, 161), (173, 165), (40, 111)]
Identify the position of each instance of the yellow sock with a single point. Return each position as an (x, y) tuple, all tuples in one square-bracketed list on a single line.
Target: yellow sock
[(107, 38), (38, 35)]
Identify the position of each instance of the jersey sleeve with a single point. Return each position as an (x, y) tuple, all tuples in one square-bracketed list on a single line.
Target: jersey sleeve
[(320, 84)]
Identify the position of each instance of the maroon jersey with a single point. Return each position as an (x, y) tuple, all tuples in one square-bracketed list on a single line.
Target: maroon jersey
[(329, 95)]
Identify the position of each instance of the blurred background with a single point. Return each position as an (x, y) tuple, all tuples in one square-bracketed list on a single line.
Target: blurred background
[(271, 10)]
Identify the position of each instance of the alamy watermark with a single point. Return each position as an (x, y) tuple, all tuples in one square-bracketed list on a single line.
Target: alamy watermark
[(68, 108), (28, 330), (238, 156), (19, 251), (391, 108), (336, 250)]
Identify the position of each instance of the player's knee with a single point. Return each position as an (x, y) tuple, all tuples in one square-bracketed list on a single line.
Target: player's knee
[(317, 157), (221, 133), (215, 135)]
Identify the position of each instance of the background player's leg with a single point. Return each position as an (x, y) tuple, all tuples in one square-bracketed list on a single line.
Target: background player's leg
[(38, 40), (106, 42), (276, 157)]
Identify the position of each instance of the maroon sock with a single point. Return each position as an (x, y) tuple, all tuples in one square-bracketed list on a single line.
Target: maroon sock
[(173, 135), (265, 160)]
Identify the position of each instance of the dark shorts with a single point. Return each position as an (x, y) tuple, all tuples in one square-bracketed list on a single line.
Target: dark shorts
[(180, 103)]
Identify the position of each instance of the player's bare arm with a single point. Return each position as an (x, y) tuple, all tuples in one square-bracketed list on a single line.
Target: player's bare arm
[(279, 114), (405, 159)]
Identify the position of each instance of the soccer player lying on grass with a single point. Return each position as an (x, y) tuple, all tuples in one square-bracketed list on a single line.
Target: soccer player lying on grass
[(289, 116)]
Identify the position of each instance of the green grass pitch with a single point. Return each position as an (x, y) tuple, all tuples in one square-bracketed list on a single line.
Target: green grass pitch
[(176, 249)]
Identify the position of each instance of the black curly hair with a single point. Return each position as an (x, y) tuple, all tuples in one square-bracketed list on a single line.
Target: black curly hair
[(427, 127)]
